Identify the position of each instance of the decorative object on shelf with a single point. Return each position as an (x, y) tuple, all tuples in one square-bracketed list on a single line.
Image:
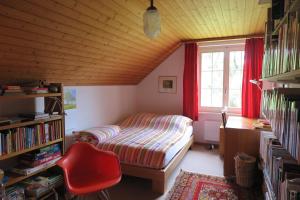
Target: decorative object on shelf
[(151, 21), (167, 84), (51, 105), (53, 88), (257, 83), (70, 98)]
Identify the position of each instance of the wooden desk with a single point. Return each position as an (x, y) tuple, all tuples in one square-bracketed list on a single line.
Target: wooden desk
[(239, 135)]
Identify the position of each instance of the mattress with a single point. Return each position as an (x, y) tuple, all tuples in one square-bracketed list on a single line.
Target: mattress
[(149, 140), (171, 153)]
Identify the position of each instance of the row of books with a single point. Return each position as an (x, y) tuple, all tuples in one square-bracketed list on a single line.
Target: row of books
[(40, 156), (18, 139), (13, 90), (282, 51), (34, 161), (35, 187), (281, 171), (281, 106)]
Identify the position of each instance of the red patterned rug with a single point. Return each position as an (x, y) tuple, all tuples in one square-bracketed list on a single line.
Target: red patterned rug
[(191, 186)]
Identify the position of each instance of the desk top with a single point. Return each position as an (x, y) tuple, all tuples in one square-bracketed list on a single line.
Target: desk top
[(238, 122)]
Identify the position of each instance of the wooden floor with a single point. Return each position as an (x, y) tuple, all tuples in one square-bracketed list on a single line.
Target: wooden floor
[(199, 160)]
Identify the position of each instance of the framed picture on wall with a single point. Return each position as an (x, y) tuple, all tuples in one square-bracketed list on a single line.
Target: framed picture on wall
[(70, 101), (167, 84)]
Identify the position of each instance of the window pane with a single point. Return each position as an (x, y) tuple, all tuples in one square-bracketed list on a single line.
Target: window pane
[(217, 81), (217, 97), (236, 60), (206, 62), (235, 79), (235, 98), (218, 61), (205, 97), (212, 65), (206, 79), (236, 63)]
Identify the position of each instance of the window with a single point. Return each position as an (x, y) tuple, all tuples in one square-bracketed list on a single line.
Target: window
[(212, 79), (236, 62), (221, 74)]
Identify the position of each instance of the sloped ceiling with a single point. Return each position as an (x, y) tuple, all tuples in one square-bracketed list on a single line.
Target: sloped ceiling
[(102, 42)]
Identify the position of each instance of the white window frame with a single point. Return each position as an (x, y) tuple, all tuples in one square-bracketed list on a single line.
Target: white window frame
[(226, 47)]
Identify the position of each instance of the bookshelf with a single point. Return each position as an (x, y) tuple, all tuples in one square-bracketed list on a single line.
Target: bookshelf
[(29, 96), (279, 151), (58, 138), (290, 77), (292, 8), (281, 59)]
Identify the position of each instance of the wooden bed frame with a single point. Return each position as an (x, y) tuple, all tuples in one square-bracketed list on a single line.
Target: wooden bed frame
[(159, 177)]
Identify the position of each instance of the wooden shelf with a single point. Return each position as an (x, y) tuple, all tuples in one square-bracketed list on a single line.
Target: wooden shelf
[(10, 155), (28, 96), (32, 122), (293, 76), (15, 178), (295, 6)]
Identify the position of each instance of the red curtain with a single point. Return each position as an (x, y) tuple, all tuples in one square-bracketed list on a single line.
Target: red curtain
[(190, 82), (251, 94)]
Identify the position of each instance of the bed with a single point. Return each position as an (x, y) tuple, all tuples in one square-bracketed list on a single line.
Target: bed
[(148, 145)]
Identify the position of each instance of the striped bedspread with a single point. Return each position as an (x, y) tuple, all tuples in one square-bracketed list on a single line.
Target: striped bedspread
[(145, 138)]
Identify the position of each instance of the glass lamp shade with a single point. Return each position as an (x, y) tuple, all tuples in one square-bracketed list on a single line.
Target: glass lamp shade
[(152, 23)]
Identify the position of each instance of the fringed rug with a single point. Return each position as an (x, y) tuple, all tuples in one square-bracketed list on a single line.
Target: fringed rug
[(191, 186)]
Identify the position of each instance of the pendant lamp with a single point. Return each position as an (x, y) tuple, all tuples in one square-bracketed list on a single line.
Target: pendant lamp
[(151, 22)]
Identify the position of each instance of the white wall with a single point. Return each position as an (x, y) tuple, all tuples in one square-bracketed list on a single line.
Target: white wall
[(148, 97), (100, 105)]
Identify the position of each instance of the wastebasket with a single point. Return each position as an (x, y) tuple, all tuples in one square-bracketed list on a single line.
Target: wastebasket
[(245, 169)]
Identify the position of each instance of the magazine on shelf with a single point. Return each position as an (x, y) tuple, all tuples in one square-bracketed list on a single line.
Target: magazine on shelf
[(23, 170)]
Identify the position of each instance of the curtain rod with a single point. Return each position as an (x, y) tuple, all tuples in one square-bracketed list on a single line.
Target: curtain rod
[(223, 38)]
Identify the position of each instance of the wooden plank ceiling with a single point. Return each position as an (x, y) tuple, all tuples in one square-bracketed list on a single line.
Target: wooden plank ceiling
[(102, 42)]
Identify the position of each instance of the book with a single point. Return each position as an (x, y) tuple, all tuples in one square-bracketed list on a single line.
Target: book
[(15, 192), (35, 90), (4, 121), (38, 186), (35, 115), (11, 87), (24, 170), (38, 162), (13, 93)]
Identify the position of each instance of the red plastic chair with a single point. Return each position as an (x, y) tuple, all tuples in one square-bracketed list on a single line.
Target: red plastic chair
[(89, 170)]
